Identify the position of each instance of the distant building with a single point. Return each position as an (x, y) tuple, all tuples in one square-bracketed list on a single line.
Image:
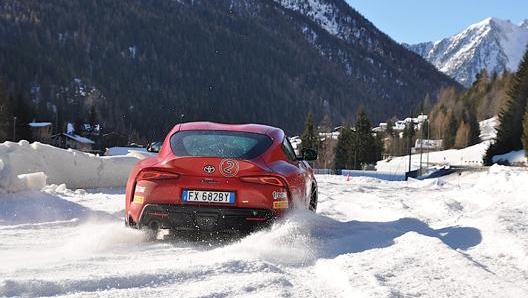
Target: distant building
[(73, 141), (400, 125), (115, 139), (381, 128), (329, 135), (427, 145), (41, 131)]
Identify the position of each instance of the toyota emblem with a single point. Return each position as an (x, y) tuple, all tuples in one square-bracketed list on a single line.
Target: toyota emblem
[(209, 169)]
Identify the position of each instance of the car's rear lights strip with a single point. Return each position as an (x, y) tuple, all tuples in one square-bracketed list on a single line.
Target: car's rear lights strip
[(256, 218), (159, 214), (156, 175), (270, 180)]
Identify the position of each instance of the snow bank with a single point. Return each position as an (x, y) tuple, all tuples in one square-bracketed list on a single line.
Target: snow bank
[(503, 179), (469, 157), (513, 157), (32, 166)]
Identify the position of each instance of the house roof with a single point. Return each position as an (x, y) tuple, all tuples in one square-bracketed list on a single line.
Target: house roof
[(39, 124), (76, 138)]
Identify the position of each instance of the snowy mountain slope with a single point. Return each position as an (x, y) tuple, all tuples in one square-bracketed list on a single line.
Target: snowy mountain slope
[(324, 13), (492, 44), (342, 21), (343, 36)]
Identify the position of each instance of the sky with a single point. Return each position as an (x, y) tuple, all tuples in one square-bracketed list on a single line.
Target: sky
[(414, 21)]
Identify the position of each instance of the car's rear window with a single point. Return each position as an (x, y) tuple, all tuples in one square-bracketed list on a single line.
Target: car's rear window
[(219, 143)]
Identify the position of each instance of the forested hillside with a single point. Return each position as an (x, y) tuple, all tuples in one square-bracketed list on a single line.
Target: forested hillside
[(512, 133), (455, 117), (141, 66)]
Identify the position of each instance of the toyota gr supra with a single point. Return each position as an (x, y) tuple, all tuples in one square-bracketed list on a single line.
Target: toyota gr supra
[(212, 177)]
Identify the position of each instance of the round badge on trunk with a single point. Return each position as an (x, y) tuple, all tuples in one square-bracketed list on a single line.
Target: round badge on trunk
[(209, 169), (229, 167)]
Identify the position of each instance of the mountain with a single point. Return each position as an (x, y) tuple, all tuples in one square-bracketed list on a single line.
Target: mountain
[(492, 44), (138, 66)]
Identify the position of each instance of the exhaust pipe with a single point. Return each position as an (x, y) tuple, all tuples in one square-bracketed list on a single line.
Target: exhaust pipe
[(151, 230), (154, 225)]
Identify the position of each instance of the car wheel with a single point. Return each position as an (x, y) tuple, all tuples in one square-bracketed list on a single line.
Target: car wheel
[(313, 199), (130, 223)]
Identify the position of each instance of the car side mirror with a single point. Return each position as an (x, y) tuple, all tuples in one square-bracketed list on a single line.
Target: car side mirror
[(308, 154), (154, 147)]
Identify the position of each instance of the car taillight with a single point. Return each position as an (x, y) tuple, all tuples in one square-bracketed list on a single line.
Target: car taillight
[(270, 180), (156, 175)]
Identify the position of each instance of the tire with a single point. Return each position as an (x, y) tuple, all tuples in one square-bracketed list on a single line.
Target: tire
[(313, 200)]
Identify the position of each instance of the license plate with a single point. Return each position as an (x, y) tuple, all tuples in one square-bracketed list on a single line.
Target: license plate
[(207, 196)]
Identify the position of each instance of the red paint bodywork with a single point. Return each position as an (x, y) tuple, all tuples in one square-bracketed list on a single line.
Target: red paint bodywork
[(179, 173)]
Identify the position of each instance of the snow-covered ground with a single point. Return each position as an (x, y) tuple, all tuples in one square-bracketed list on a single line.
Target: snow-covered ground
[(458, 236)]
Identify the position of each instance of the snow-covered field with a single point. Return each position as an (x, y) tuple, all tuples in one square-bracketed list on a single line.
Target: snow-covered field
[(458, 236)]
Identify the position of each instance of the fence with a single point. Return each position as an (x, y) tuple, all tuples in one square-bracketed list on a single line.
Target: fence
[(363, 173)]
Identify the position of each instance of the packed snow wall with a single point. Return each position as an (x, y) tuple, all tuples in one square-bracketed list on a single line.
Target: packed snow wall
[(32, 166)]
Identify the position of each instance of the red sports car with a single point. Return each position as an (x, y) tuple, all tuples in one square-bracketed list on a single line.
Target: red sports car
[(218, 178)]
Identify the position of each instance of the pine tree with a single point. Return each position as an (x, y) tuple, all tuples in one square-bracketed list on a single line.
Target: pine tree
[(424, 106), (525, 132), (474, 128), (24, 115), (379, 147), (327, 145), (309, 138), (408, 134), (92, 119), (343, 158), (390, 129), (427, 104), (481, 80), (510, 131), (364, 147), (5, 114)]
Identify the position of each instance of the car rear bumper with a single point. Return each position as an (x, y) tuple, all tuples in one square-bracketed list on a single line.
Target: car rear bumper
[(204, 218)]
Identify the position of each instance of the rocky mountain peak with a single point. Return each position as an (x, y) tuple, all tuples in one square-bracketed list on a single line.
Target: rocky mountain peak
[(492, 44)]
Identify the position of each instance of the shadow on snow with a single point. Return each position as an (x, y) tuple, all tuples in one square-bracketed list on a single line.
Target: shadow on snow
[(356, 236), (34, 207)]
